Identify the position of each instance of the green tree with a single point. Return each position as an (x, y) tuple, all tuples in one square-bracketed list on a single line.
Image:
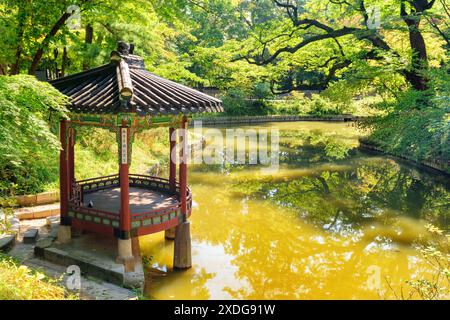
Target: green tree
[(343, 33), (29, 147)]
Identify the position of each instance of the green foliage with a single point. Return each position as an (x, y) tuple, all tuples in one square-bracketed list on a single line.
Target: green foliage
[(6, 211), (320, 107), (262, 91), (18, 282), (202, 43), (437, 256), (295, 106), (317, 105), (96, 152), (417, 124), (29, 148), (236, 103)]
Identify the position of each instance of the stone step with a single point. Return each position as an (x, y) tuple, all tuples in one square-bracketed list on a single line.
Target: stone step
[(30, 236), (52, 220), (38, 199), (7, 241), (94, 255), (37, 212)]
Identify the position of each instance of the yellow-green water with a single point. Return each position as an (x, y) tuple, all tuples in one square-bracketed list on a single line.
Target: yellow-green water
[(331, 223)]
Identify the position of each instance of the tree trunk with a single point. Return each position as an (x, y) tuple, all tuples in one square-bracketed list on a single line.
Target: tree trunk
[(40, 51), (64, 62), (3, 69), (15, 68), (88, 41), (419, 59)]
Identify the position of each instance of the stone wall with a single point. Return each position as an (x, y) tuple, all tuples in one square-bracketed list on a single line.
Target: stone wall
[(37, 199), (271, 118), (436, 165)]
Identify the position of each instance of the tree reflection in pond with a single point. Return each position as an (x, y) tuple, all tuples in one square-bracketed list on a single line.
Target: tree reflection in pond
[(343, 201), (320, 227)]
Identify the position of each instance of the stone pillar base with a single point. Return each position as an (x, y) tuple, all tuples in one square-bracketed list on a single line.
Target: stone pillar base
[(64, 234), (125, 254), (136, 249), (182, 247), (170, 233)]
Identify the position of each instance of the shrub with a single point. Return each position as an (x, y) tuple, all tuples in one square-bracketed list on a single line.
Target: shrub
[(321, 107), (21, 283), (29, 147), (236, 103), (416, 125)]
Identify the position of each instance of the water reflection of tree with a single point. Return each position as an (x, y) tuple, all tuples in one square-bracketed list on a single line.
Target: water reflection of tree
[(373, 190), (279, 258), (302, 147), (190, 284)]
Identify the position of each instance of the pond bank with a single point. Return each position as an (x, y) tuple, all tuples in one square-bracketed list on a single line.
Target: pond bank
[(430, 165)]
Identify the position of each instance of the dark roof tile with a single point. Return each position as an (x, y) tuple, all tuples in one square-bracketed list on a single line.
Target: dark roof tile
[(125, 85)]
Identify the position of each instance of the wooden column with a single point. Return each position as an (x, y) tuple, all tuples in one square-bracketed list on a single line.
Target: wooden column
[(182, 246), (183, 167), (172, 162), (125, 219), (170, 233), (71, 159), (64, 230), (63, 173), (125, 245)]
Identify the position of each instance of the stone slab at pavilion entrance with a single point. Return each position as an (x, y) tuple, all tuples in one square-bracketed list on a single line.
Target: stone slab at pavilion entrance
[(125, 98)]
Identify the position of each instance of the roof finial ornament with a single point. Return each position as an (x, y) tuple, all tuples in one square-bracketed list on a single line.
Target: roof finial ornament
[(123, 47)]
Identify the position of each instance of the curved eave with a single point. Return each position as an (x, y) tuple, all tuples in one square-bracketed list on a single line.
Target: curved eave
[(97, 91), (156, 95)]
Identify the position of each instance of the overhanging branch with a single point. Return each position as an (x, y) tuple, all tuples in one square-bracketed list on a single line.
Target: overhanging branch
[(288, 49)]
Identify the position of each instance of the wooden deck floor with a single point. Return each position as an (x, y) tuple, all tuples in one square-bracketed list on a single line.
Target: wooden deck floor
[(141, 200)]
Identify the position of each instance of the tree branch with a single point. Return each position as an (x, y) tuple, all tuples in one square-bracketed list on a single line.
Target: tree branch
[(48, 37), (436, 27), (330, 35), (40, 51), (291, 10)]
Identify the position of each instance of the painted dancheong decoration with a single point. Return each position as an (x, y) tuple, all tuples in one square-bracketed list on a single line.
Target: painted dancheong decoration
[(124, 97)]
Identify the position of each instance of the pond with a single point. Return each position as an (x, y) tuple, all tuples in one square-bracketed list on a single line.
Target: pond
[(332, 223)]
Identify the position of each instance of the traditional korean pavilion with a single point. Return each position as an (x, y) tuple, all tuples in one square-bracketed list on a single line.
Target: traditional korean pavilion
[(123, 97)]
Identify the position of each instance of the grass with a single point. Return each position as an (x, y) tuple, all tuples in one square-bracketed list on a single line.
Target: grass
[(18, 282)]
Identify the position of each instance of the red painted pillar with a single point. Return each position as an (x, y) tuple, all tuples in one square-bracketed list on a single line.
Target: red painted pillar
[(125, 219), (71, 157), (172, 160), (63, 174), (182, 258), (183, 166)]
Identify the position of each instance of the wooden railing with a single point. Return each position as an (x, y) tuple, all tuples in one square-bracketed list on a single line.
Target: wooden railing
[(152, 182), (136, 180), (95, 212), (100, 183)]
